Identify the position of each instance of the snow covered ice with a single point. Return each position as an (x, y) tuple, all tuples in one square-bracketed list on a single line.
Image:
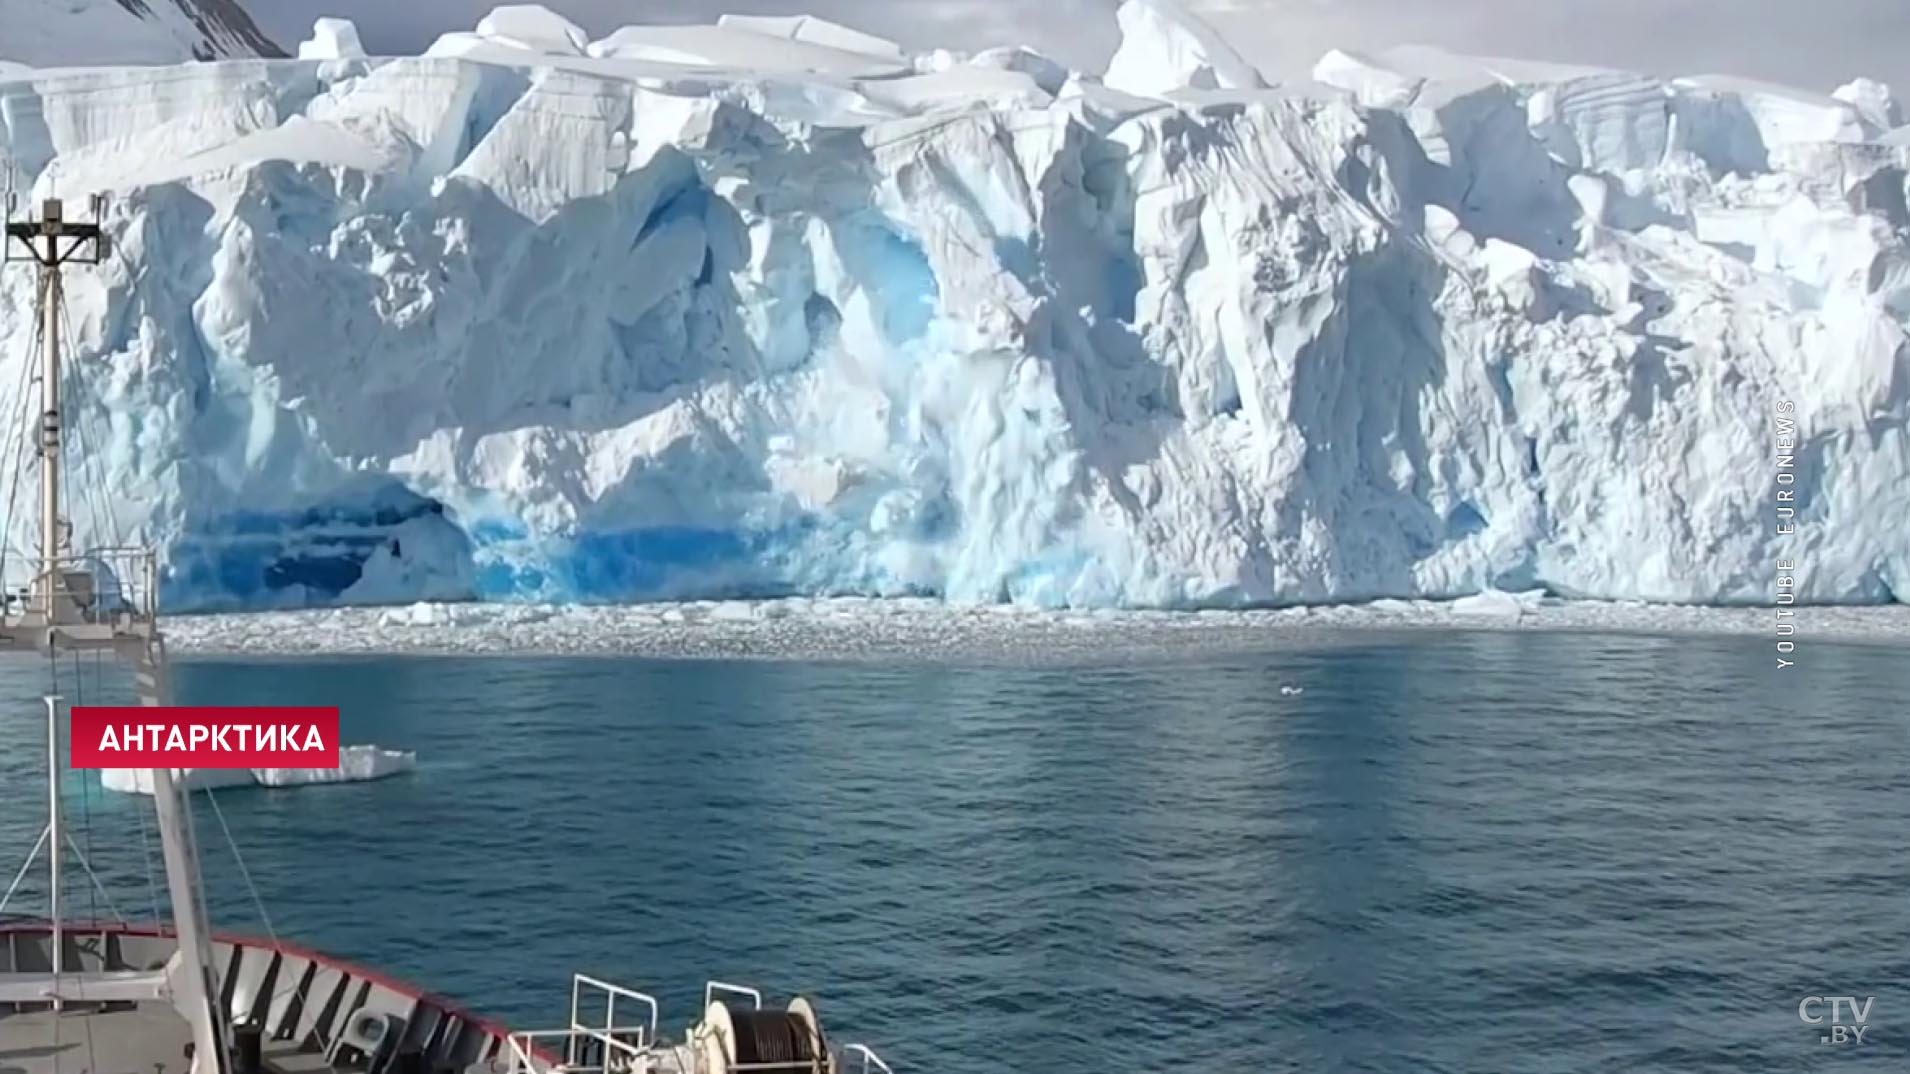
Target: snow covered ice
[(48, 33), (773, 307), (356, 764)]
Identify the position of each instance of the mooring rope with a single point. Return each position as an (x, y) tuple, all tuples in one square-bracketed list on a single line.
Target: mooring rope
[(25, 867), (300, 991)]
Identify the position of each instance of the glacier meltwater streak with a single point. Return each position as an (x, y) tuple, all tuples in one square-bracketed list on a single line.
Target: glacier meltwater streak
[(771, 307)]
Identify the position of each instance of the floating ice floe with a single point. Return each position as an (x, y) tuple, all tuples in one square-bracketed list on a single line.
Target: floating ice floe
[(356, 764)]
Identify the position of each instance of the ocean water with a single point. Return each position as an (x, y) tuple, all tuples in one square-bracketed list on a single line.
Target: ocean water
[(1466, 853)]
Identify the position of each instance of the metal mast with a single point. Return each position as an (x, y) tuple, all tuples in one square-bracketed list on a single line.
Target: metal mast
[(43, 242), (53, 241), (57, 613)]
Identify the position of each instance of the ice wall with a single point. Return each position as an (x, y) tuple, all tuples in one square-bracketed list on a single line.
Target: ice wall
[(768, 307)]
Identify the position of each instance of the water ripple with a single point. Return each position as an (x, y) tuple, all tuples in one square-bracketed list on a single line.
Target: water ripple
[(1469, 853)]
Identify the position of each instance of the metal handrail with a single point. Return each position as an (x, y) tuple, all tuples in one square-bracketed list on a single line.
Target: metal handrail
[(134, 570), (525, 1060), (713, 987), (522, 1061), (646, 1034), (618, 1052), (868, 1057)]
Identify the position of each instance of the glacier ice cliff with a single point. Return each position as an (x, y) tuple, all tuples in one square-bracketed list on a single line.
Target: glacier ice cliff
[(771, 306)]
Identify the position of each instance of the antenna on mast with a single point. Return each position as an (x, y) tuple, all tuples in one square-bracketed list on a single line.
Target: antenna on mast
[(52, 242)]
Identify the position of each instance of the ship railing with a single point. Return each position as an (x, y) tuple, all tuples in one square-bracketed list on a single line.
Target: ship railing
[(610, 1033), (100, 585), (588, 1046), (542, 1051), (870, 1060), (523, 1048)]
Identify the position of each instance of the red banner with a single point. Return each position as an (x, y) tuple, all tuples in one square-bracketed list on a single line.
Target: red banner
[(204, 736)]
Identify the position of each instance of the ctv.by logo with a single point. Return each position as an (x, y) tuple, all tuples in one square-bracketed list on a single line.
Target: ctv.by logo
[(1846, 1020)]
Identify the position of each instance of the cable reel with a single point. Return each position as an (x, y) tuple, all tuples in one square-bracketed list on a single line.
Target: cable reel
[(741, 1040)]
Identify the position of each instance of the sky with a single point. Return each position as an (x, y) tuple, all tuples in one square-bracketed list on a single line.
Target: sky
[(1811, 44)]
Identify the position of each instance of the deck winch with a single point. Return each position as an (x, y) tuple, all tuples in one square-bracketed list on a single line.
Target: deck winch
[(734, 1039)]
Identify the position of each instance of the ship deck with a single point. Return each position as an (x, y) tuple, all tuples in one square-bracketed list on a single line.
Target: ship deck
[(147, 1039)]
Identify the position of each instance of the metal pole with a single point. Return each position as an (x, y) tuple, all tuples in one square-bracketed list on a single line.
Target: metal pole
[(50, 432), (54, 837), (197, 996)]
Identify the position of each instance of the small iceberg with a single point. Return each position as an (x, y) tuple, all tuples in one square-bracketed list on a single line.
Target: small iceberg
[(1498, 604), (356, 764)]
